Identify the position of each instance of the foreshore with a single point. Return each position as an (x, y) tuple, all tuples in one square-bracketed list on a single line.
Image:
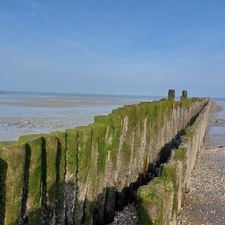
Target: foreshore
[(31, 113), (204, 204)]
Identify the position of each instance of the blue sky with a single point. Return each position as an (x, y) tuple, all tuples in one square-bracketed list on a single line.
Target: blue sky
[(139, 47)]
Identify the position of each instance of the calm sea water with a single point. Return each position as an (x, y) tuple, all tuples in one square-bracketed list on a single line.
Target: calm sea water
[(216, 133), (28, 113)]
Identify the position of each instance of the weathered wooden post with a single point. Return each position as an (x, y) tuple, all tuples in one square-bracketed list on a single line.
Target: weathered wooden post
[(171, 94), (184, 95)]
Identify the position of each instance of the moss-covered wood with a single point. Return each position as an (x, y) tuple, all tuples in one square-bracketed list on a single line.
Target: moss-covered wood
[(12, 164), (160, 200), (37, 173), (73, 176)]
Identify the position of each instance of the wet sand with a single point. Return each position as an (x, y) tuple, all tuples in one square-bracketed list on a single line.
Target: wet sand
[(30, 113), (205, 203)]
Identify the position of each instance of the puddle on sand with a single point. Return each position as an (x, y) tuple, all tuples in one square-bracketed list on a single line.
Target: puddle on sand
[(217, 131), (216, 134)]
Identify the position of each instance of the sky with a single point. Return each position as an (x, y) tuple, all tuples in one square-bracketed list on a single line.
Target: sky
[(136, 47)]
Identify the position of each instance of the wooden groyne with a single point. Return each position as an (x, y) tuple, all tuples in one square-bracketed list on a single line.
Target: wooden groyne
[(82, 175)]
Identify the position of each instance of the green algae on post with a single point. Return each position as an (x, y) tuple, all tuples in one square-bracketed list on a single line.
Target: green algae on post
[(36, 178), (76, 175), (12, 165)]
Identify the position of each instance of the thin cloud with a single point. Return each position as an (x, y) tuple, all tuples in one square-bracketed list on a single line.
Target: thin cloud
[(221, 56), (79, 46), (31, 13), (35, 5), (46, 16)]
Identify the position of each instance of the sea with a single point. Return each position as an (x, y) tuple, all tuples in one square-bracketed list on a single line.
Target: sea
[(216, 132), (24, 113)]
